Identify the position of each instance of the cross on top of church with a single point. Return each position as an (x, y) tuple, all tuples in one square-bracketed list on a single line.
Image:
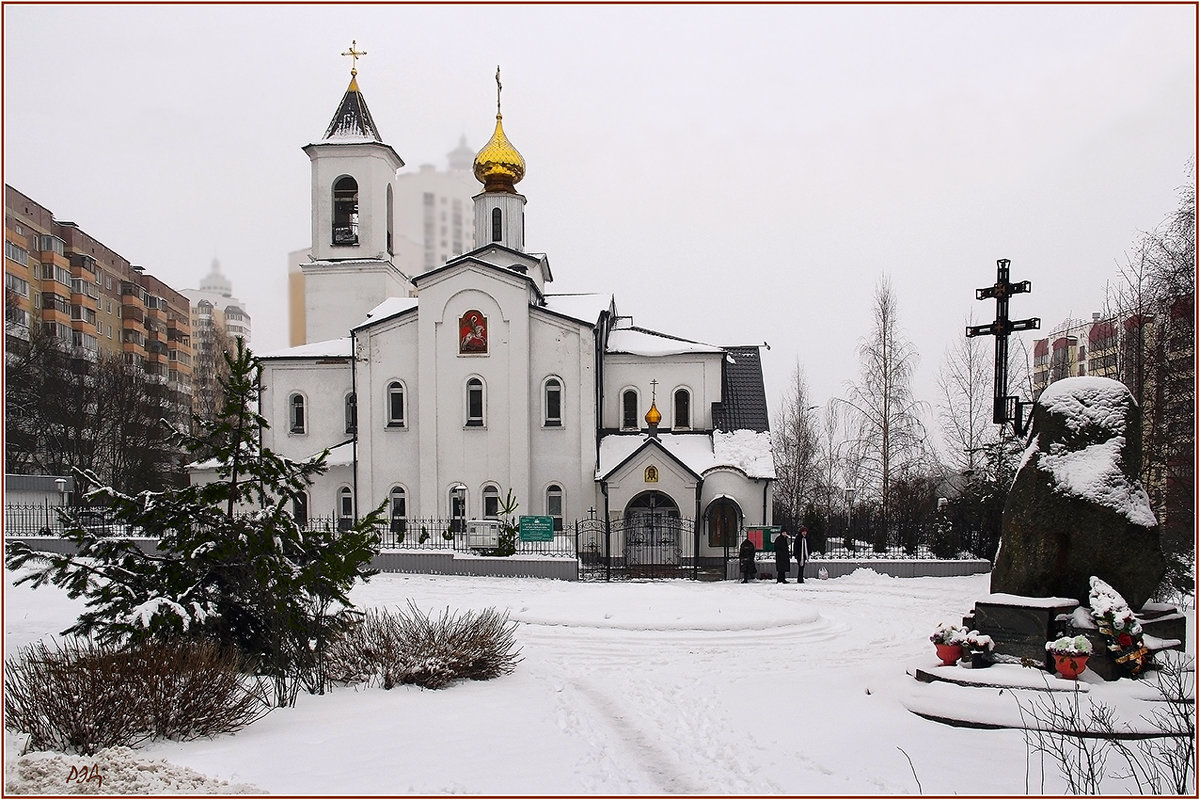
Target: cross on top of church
[(653, 389), (354, 54), (499, 86)]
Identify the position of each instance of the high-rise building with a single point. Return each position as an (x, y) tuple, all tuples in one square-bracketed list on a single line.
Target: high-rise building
[(91, 298)]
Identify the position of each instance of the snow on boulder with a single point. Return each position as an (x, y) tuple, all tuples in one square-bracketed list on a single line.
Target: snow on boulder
[(1076, 508)]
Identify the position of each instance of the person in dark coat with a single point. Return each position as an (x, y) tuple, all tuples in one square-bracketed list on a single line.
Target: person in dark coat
[(800, 548), (746, 559), (783, 557)]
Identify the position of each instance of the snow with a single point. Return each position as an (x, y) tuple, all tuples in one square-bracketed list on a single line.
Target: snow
[(627, 688), (642, 342), (333, 348), (583, 307), (1093, 473), (748, 451), (387, 309)]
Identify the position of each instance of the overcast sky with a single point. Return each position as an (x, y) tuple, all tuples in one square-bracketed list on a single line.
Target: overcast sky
[(733, 174)]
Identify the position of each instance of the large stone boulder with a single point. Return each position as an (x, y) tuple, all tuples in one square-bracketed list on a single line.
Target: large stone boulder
[(1076, 508)]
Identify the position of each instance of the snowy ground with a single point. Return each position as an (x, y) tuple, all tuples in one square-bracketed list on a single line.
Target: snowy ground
[(631, 688)]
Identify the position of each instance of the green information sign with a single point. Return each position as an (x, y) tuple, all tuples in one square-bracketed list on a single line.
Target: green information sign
[(537, 529)]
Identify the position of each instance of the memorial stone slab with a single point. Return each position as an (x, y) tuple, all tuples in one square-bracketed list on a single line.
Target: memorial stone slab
[(1021, 626)]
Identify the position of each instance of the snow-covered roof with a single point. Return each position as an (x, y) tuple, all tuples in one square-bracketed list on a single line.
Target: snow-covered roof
[(748, 451), (583, 307), (644, 342), (333, 348), (388, 309)]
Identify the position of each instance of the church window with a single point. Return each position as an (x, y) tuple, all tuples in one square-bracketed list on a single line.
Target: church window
[(296, 405), (395, 405), (300, 509), (629, 409), (475, 403), (491, 502), (553, 398), (496, 224), (390, 213), (554, 505), (399, 509), (345, 508), (458, 508), (351, 412), (683, 409), (345, 211)]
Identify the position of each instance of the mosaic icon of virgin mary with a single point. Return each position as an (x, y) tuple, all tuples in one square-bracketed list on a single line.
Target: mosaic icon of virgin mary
[(472, 333)]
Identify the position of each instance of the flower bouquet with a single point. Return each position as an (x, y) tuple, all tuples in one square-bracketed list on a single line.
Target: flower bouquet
[(980, 646), (1120, 628)]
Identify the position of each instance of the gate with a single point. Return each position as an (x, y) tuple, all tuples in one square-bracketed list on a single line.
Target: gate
[(646, 545)]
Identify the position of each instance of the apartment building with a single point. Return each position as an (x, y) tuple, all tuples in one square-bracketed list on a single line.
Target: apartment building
[(91, 298)]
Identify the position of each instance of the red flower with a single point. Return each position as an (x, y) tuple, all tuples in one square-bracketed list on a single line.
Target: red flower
[(1124, 640)]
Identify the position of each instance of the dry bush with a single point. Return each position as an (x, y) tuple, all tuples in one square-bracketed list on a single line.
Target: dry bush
[(388, 648), (80, 696)]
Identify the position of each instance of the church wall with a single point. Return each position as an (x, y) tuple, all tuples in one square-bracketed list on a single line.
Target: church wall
[(324, 387), (746, 492), (497, 452), (338, 296), (388, 456), (700, 373), (564, 455)]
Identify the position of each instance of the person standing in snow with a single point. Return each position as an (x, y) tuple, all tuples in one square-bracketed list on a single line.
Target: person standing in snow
[(746, 559), (783, 557), (800, 546)]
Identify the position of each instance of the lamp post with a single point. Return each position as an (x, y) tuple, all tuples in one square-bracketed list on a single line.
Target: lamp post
[(850, 490)]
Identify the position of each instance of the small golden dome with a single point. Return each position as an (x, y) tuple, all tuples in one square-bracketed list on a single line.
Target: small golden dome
[(498, 166), (653, 416)]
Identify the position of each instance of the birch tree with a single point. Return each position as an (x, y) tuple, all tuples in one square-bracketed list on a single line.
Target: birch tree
[(795, 442)]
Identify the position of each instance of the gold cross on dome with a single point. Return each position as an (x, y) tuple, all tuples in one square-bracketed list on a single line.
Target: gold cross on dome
[(354, 53), (653, 389)]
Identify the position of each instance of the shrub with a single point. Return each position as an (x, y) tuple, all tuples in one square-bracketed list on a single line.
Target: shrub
[(388, 648), (82, 696)]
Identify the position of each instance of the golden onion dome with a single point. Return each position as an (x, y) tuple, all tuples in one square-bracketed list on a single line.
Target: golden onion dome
[(498, 166), (653, 416)]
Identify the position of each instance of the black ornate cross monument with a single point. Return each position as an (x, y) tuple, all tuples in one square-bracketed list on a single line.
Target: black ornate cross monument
[(1005, 407)]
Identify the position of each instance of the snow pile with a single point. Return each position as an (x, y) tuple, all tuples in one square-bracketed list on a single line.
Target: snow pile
[(1093, 473), (749, 451), (115, 770)]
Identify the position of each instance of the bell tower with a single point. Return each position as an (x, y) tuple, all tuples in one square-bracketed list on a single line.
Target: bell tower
[(353, 183)]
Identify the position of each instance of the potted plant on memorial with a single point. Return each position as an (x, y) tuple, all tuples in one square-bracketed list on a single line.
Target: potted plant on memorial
[(949, 640), (980, 646), (1070, 655)]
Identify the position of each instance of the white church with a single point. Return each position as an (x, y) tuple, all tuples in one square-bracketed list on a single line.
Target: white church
[(440, 392)]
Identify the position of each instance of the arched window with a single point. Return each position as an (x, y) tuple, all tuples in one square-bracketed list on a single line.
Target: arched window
[(458, 508), (553, 403), (345, 211), (491, 502), (399, 509), (629, 409), (497, 225), (296, 413), (475, 403), (345, 508), (396, 405), (390, 216), (300, 509), (683, 409), (351, 412), (554, 505)]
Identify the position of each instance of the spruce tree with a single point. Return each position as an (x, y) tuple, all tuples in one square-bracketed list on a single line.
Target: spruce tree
[(231, 563)]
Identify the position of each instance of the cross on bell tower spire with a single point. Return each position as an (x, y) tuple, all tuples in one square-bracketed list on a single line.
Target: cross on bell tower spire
[(354, 54)]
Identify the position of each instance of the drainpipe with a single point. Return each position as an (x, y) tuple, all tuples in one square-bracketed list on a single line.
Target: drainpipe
[(766, 486), (354, 435), (607, 534), (696, 533)]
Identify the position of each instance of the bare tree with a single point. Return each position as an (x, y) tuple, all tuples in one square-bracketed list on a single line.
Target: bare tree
[(889, 439), (798, 475), (965, 383)]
